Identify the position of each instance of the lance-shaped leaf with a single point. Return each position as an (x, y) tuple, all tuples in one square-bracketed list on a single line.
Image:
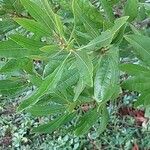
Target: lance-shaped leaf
[(50, 82), (104, 120), (54, 124), (134, 69), (118, 24), (69, 78), (18, 64), (86, 122), (44, 110), (26, 42), (66, 84), (97, 43), (54, 62), (85, 67), (138, 83), (131, 9), (35, 79), (39, 14), (10, 66), (141, 46), (59, 25), (144, 99), (108, 10), (106, 37), (7, 25), (12, 87), (11, 49), (78, 89), (107, 76), (135, 30), (33, 26), (87, 15)]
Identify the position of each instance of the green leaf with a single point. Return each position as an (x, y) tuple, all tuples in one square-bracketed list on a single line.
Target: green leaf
[(54, 62), (44, 110), (87, 15), (50, 49), (35, 79), (139, 83), (106, 37), (10, 49), (78, 89), (118, 24), (33, 26), (108, 10), (85, 67), (7, 25), (12, 65), (141, 46), (104, 120), (66, 84), (40, 14), (59, 25), (97, 43), (86, 122), (51, 98), (68, 79), (54, 19), (144, 99), (26, 42), (12, 87), (107, 76), (50, 82), (134, 29), (54, 124), (134, 69), (131, 9)]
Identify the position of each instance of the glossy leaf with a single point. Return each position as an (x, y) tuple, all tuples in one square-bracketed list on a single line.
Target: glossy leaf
[(39, 14), (85, 67), (118, 24), (104, 120), (141, 46), (107, 76), (131, 9), (138, 83), (144, 99), (97, 43), (45, 110), (134, 69), (26, 42), (33, 26), (82, 11), (86, 122), (108, 10), (78, 89), (11, 49), (50, 82), (12, 65), (54, 124), (12, 87)]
